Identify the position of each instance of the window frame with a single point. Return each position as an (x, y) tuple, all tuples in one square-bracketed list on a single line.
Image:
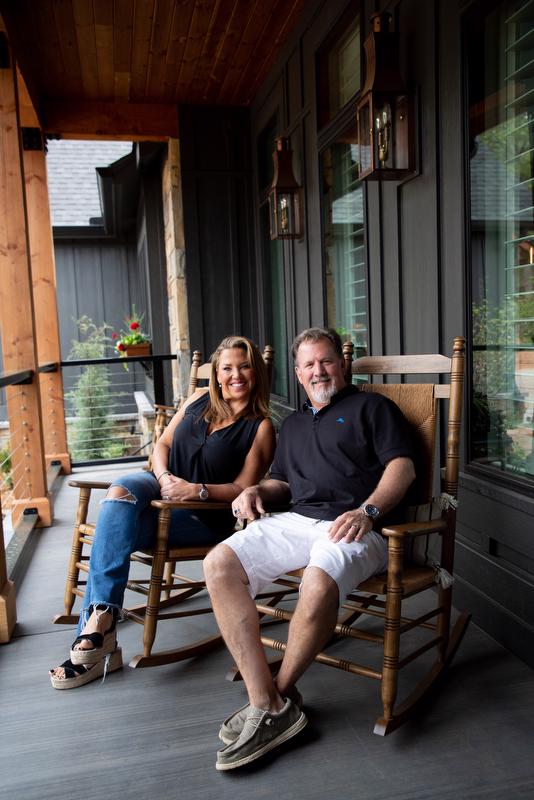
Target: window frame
[(486, 472), (327, 136)]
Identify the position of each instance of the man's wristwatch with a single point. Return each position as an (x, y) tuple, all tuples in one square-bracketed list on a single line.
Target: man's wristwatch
[(370, 511), (203, 493)]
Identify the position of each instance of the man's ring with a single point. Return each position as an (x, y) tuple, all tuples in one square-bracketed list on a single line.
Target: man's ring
[(236, 512)]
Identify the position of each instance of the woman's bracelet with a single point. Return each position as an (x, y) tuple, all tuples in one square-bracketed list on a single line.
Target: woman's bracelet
[(167, 472)]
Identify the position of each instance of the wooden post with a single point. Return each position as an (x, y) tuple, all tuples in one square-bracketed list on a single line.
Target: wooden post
[(173, 225), (17, 311), (8, 609), (44, 282)]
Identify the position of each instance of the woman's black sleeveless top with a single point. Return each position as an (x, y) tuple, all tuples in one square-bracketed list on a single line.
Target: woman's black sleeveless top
[(198, 457)]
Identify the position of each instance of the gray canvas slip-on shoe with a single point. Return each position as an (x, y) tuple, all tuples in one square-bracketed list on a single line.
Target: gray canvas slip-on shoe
[(262, 731), (233, 725)]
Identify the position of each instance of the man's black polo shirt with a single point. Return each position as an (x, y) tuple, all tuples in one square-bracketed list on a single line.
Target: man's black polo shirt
[(333, 459)]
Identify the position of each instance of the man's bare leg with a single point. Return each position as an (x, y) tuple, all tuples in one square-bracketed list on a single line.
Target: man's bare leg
[(237, 617), (311, 627)]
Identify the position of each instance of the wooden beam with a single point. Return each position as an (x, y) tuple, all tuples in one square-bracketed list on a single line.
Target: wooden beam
[(44, 287), (17, 314), (7, 20), (45, 304), (173, 228), (28, 115), (127, 121)]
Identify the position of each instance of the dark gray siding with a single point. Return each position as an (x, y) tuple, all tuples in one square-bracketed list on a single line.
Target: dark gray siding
[(416, 245), (216, 186), (98, 278)]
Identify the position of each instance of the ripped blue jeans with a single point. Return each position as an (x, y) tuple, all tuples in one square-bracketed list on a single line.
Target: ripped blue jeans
[(128, 524)]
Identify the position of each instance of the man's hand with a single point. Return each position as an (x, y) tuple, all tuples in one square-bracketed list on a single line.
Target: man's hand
[(248, 505), (350, 527)]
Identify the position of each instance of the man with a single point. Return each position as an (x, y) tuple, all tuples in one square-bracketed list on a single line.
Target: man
[(344, 461)]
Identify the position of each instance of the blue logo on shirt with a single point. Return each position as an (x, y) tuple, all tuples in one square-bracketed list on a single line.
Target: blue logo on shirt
[(340, 419)]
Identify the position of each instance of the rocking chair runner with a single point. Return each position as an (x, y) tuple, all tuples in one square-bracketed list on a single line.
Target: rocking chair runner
[(165, 588), (404, 578)]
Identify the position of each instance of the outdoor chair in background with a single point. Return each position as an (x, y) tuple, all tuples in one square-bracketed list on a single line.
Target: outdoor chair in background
[(429, 526), (164, 589)]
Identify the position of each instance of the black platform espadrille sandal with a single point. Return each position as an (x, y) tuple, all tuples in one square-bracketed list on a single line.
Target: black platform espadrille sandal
[(78, 674), (103, 644)]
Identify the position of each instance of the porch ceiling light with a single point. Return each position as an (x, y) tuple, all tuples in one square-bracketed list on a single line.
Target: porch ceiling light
[(385, 110), (285, 195)]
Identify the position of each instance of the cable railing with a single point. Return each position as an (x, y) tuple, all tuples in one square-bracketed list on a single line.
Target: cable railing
[(109, 406), (105, 406)]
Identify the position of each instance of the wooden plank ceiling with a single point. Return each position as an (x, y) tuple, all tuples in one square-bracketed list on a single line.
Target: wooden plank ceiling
[(214, 52)]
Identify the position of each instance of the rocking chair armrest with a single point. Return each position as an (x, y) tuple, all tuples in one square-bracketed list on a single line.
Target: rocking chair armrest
[(415, 528), (206, 504), (90, 484)]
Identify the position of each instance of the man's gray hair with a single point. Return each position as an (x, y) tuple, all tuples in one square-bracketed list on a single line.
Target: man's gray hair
[(315, 335)]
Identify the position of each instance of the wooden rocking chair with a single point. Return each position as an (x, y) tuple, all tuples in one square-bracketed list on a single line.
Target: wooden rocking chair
[(382, 596), (164, 589)]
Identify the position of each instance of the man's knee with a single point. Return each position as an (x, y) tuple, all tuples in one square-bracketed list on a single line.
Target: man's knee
[(221, 565), (319, 593)]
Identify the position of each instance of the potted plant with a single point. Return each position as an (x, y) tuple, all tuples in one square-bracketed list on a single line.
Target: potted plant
[(133, 341)]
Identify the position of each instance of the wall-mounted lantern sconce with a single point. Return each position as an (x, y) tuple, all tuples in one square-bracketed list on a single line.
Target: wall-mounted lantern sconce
[(385, 111), (285, 195)]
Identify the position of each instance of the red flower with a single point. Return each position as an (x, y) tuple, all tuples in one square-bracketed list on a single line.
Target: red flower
[(134, 326), (114, 335), (121, 347)]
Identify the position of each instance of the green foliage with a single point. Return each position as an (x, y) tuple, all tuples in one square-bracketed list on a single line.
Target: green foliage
[(5, 466), (133, 333), (492, 334), (492, 416), (523, 309), (506, 140), (91, 397)]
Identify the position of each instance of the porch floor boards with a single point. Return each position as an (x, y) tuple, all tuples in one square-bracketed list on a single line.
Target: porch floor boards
[(153, 733)]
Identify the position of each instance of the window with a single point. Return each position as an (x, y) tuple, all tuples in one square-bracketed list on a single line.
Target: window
[(273, 265), (499, 53), (339, 67), (343, 242), (345, 269)]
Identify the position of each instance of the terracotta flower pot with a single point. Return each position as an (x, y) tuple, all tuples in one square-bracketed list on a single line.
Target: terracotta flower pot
[(143, 349)]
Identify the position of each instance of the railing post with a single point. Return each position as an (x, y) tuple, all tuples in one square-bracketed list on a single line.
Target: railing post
[(44, 283), (159, 383), (8, 609), (17, 310)]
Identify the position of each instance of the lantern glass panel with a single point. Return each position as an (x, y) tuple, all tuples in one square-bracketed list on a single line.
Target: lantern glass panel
[(285, 212), (401, 113), (383, 136), (273, 225), (364, 135)]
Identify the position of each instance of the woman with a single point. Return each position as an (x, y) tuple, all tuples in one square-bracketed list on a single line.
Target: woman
[(217, 444)]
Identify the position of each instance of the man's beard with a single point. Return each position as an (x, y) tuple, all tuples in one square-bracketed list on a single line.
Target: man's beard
[(323, 392)]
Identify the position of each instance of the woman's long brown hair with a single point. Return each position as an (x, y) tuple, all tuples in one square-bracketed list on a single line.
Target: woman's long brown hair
[(218, 409)]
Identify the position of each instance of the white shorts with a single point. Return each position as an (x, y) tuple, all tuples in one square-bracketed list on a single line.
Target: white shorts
[(272, 546)]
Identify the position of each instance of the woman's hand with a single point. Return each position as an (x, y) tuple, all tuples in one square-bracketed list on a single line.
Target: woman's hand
[(178, 490)]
